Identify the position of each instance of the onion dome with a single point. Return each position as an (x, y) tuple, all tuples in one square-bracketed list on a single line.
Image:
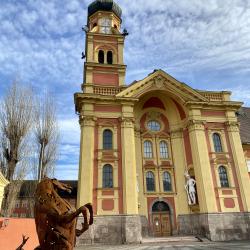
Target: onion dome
[(105, 5)]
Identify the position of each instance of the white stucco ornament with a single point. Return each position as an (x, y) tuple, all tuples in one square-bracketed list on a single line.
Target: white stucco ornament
[(190, 189)]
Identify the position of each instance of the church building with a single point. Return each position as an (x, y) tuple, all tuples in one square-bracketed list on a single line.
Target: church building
[(157, 157)]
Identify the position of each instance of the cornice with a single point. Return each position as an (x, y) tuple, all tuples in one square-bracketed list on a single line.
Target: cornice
[(224, 105), (105, 65), (81, 98)]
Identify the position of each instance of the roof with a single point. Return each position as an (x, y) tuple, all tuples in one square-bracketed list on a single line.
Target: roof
[(106, 5), (28, 189), (244, 119)]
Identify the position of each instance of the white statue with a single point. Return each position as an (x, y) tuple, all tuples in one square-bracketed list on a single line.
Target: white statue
[(190, 188)]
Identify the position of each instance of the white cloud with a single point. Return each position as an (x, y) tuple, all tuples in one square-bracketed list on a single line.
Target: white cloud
[(203, 43), (66, 172), (70, 131)]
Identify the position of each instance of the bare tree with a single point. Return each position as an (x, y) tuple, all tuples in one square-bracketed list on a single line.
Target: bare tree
[(15, 124), (46, 135)]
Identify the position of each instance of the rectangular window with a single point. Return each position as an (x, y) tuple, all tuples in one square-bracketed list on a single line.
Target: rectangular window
[(148, 152)]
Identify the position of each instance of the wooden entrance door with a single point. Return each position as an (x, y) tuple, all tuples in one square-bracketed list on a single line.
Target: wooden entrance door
[(161, 224)]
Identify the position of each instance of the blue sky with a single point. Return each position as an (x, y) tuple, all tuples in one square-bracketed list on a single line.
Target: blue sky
[(205, 44)]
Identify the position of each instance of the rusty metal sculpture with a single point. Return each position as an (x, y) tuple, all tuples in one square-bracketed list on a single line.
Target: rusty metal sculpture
[(56, 219), (23, 243)]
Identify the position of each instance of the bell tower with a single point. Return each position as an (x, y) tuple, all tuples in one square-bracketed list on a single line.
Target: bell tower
[(104, 66)]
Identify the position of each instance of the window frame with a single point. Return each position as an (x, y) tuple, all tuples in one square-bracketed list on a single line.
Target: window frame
[(107, 142), (164, 152), (107, 176), (165, 180), (151, 128), (148, 150), (217, 142), (223, 177), (150, 181), (99, 56), (110, 57)]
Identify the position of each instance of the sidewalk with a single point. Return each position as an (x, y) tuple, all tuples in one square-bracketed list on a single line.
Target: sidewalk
[(241, 245)]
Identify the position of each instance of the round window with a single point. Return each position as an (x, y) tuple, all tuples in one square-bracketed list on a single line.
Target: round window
[(154, 126)]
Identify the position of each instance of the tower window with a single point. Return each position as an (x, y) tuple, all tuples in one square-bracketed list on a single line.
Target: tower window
[(167, 182), (107, 139), (148, 152), (223, 177), (94, 25), (107, 176), (110, 57), (101, 56), (217, 143), (163, 150), (150, 181)]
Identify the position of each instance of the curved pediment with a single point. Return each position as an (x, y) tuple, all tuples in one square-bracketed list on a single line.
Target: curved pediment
[(160, 80)]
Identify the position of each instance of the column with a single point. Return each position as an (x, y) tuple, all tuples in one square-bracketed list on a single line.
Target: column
[(142, 201), (130, 202), (90, 48), (240, 163), (178, 153), (202, 168), (86, 162)]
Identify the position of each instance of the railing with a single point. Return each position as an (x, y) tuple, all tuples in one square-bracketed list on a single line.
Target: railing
[(107, 90), (213, 96)]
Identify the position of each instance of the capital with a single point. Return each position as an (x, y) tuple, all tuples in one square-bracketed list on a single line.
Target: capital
[(87, 120), (232, 126), (127, 122), (178, 133), (195, 125)]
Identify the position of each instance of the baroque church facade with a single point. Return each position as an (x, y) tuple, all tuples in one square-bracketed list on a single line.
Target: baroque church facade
[(157, 157)]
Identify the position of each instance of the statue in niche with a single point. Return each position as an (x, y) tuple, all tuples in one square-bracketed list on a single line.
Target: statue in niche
[(56, 218), (190, 189)]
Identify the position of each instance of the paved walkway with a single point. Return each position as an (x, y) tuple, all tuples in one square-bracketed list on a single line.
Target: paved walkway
[(175, 246)]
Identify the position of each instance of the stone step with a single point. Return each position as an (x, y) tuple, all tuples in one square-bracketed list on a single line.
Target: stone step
[(170, 239)]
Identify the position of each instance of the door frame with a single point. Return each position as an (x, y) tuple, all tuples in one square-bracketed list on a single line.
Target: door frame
[(160, 214), (150, 214)]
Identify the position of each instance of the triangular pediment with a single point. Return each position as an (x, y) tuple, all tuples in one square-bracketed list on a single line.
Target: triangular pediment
[(160, 80)]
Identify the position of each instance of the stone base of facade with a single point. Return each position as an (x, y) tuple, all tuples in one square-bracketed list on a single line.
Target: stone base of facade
[(216, 226), (114, 229)]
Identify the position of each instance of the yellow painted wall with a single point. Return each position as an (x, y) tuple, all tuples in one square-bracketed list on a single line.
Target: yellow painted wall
[(3, 184)]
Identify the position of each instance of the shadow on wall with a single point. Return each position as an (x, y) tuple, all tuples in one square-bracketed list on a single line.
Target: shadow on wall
[(11, 231)]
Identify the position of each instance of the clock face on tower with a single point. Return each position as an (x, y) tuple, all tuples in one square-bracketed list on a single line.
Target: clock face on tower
[(105, 25)]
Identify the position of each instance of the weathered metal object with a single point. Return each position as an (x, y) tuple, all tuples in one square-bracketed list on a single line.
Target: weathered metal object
[(23, 243), (56, 218)]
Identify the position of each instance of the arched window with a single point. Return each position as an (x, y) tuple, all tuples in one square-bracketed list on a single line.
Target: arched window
[(107, 139), (223, 177), (148, 152), (167, 186), (163, 149), (107, 176), (101, 56), (217, 142), (150, 181), (109, 57), (160, 206)]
